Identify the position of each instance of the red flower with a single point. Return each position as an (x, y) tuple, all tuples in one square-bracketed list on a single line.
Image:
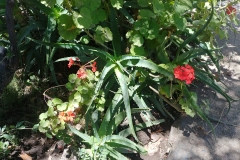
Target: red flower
[(184, 73), (61, 116), (81, 73), (94, 67), (71, 62), (70, 116), (230, 10)]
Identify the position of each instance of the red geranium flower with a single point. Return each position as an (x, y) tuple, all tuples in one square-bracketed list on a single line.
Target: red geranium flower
[(81, 73), (230, 10), (61, 116), (71, 62), (94, 67), (184, 73), (70, 116)]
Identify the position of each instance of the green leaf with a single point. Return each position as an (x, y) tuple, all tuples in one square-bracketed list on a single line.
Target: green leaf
[(98, 16), (117, 3), (43, 116), (140, 126), (91, 4), (144, 3), (51, 112), (50, 3), (117, 141), (115, 154), (138, 61), (59, 2), (195, 107), (145, 13), (153, 30), (66, 27), (142, 25), (82, 19), (84, 39), (124, 89), (56, 101), (84, 136), (180, 22), (116, 42), (19, 124), (72, 78), (62, 106), (137, 40), (138, 51), (158, 6), (44, 123), (186, 106), (180, 6), (69, 86), (103, 34)]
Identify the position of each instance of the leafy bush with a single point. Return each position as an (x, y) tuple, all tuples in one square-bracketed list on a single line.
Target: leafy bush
[(151, 52)]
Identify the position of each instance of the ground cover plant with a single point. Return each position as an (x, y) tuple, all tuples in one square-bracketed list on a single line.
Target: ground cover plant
[(131, 57)]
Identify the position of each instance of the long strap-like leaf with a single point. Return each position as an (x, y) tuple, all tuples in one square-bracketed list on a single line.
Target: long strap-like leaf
[(194, 36)]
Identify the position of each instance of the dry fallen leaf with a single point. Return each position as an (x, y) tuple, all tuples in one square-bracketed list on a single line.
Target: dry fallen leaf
[(24, 156)]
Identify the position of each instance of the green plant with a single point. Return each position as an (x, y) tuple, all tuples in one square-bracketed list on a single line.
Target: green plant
[(143, 45), (8, 138)]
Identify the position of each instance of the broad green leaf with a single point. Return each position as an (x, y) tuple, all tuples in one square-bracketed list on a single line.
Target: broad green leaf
[(139, 51), (51, 112), (72, 78), (44, 123), (117, 3), (137, 40), (82, 19), (69, 86), (103, 34), (182, 5), (144, 3), (153, 30), (66, 27), (180, 22), (158, 6), (145, 13), (43, 116), (142, 25), (62, 106), (98, 16), (91, 4), (56, 101)]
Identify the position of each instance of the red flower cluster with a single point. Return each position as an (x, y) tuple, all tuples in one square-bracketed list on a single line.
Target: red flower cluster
[(184, 73), (71, 62), (230, 10), (81, 73), (66, 117)]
